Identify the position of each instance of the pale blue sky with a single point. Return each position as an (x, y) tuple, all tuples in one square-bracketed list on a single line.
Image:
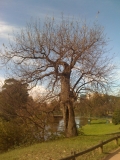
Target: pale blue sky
[(15, 13)]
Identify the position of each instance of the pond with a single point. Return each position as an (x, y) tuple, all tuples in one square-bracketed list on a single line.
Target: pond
[(56, 123), (55, 127)]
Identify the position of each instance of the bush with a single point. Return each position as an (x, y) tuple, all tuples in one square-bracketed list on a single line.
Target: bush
[(16, 133), (116, 117), (9, 135), (13, 134)]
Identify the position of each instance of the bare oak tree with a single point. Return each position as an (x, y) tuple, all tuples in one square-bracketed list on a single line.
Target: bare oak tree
[(67, 58)]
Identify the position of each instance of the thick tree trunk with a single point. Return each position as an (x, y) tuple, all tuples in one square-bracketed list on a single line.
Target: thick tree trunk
[(69, 120), (67, 106)]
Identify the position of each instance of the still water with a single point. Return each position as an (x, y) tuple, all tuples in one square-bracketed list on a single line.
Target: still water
[(61, 124), (57, 124)]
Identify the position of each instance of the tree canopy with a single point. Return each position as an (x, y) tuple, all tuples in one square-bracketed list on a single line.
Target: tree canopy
[(13, 98), (67, 58)]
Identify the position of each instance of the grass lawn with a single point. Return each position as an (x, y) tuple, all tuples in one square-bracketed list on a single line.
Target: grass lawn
[(100, 127), (54, 150)]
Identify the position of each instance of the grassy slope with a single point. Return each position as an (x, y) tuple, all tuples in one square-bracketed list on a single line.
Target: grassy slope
[(61, 148)]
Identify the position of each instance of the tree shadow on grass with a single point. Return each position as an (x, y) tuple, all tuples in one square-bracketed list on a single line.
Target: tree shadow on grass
[(98, 123)]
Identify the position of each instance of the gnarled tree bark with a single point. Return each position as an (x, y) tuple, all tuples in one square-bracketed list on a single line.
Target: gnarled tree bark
[(67, 104)]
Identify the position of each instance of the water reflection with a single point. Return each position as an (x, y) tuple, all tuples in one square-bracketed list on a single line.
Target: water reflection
[(57, 124), (61, 124)]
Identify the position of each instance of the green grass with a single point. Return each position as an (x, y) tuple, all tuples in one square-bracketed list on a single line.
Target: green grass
[(100, 127), (54, 150)]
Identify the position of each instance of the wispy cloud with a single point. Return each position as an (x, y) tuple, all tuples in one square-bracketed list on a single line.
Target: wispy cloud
[(37, 92), (6, 31)]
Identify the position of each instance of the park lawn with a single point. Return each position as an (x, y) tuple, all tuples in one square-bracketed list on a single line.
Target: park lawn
[(54, 150), (100, 127)]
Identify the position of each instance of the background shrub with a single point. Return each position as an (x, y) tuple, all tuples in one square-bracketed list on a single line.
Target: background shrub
[(116, 117)]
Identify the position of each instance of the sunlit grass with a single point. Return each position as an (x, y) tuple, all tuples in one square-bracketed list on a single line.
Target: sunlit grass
[(100, 127), (54, 150)]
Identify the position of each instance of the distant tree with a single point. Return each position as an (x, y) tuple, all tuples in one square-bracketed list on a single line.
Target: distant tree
[(13, 98), (116, 117), (97, 104), (67, 58), (104, 104)]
